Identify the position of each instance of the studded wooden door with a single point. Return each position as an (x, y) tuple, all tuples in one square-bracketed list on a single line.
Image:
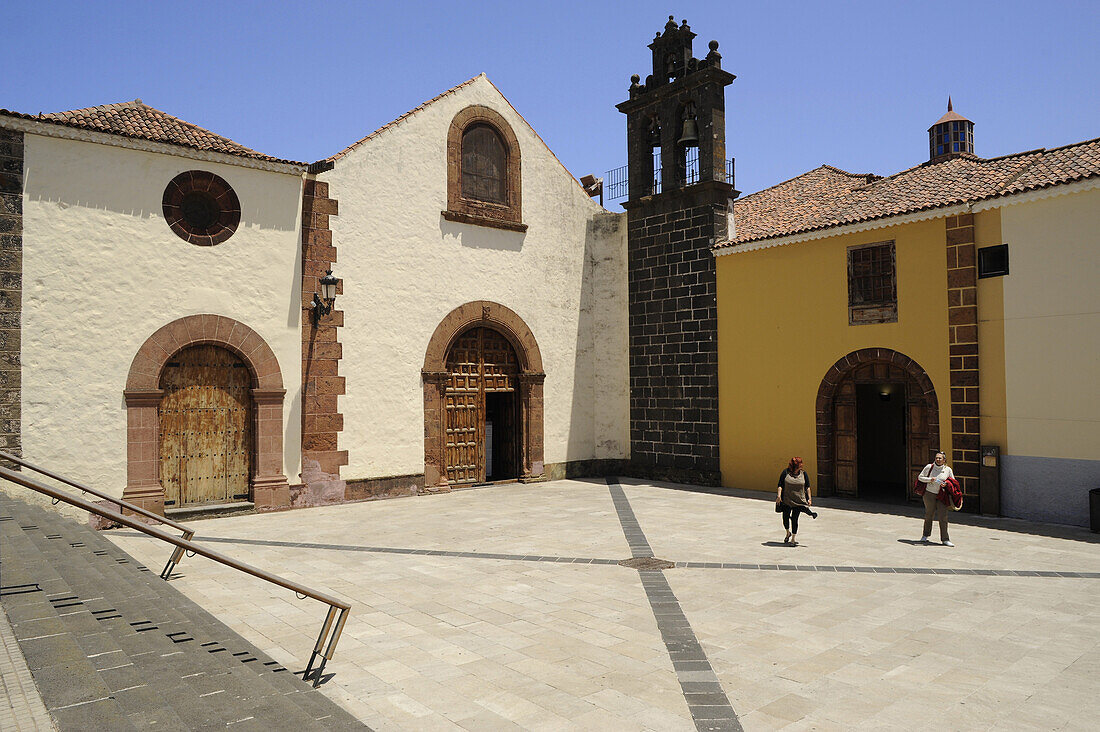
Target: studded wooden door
[(205, 427), (479, 360)]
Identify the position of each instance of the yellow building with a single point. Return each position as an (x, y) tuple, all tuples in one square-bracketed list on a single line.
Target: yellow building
[(865, 322)]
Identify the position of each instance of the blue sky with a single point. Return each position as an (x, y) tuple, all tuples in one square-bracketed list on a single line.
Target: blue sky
[(850, 83)]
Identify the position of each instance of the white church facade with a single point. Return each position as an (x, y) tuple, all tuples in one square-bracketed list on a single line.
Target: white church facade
[(167, 337)]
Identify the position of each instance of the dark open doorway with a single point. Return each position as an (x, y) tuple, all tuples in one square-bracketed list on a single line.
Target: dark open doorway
[(501, 446), (880, 442)]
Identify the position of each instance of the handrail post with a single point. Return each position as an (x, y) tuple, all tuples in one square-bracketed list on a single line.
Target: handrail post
[(331, 647), (320, 643)]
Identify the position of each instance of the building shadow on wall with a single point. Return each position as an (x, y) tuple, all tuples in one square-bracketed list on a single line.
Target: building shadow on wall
[(601, 341), (481, 237)]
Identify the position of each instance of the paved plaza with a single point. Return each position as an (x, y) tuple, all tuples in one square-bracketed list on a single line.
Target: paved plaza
[(506, 607)]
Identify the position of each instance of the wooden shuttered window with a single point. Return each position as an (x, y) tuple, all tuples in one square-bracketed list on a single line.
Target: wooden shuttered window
[(484, 165), (872, 284)]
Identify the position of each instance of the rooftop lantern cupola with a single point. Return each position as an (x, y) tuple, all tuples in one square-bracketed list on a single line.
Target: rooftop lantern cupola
[(952, 135)]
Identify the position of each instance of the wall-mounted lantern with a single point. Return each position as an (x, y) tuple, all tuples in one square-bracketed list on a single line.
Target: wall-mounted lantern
[(322, 304)]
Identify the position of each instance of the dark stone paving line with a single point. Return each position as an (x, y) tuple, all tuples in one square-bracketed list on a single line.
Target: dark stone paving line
[(641, 544), (411, 552), (710, 708), (890, 570)]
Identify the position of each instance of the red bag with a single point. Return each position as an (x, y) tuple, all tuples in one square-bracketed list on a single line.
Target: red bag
[(919, 487)]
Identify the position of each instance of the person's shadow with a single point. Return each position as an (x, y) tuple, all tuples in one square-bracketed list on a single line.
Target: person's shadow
[(779, 544), (917, 542)]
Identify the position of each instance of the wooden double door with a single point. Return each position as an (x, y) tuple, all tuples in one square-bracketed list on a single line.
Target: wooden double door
[(883, 433), (206, 437), (481, 404)]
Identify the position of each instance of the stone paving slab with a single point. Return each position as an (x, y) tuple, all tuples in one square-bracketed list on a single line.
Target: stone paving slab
[(505, 608)]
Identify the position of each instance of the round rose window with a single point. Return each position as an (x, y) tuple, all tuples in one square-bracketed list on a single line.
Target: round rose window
[(201, 208)]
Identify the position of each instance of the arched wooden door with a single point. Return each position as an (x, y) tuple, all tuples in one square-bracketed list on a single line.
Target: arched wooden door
[(482, 438), (205, 427)]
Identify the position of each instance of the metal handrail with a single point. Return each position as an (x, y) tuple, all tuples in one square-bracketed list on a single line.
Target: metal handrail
[(177, 553), (338, 609)]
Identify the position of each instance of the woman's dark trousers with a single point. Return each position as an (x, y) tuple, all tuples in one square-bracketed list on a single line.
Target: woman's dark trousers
[(790, 517)]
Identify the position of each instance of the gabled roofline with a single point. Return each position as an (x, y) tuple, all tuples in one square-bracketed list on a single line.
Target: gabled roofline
[(868, 177), (985, 203), (34, 125), (395, 121), (329, 162), (1027, 158), (64, 117)]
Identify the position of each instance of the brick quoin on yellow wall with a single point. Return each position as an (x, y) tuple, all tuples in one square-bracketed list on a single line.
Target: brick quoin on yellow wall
[(962, 318)]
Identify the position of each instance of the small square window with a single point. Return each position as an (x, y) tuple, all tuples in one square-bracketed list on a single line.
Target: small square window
[(993, 261)]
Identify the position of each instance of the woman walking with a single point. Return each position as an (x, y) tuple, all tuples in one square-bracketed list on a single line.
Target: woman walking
[(792, 497), (935, 474)]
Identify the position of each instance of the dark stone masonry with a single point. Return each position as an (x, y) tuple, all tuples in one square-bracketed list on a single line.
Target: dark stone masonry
[(11, 288), (677, 210), (673, 324)]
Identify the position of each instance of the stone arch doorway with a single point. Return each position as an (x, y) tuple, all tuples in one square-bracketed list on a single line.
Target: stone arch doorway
[(483, 398), (877, 414), (145, 392)]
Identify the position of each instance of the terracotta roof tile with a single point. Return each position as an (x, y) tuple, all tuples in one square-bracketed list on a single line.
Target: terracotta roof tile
[(826, 196), (138, 120)]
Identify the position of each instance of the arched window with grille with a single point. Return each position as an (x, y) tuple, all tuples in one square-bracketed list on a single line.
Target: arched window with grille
[(483, 170)]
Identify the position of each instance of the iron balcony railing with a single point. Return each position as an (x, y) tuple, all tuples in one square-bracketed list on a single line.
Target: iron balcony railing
[(617, 180), (337, 611)]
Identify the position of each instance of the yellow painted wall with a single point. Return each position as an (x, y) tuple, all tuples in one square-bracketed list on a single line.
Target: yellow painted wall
[(783, 322)]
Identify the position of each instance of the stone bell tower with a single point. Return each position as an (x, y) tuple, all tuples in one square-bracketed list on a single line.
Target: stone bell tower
[(681, 187)]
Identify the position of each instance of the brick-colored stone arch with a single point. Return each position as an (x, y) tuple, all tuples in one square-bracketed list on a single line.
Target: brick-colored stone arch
[(482, 313), (920, 389), (269, 485)]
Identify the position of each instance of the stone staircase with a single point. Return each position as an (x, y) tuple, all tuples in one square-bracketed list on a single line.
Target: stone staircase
[(111, 646)]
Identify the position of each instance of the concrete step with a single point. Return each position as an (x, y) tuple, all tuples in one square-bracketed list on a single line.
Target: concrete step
[(209, 510), (112, 646)]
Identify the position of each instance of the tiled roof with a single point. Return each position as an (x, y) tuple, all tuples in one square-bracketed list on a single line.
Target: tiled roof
[(138, 120), (826, 197)]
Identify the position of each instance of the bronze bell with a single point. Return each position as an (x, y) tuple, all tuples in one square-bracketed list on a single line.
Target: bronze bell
[(690, 138)]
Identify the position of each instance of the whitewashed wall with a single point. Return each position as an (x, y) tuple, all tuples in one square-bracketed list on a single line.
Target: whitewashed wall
[(404, 268), (1052, 356), (102, 272)]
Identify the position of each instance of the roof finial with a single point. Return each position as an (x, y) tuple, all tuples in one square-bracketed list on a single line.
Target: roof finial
[(949, 103)]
